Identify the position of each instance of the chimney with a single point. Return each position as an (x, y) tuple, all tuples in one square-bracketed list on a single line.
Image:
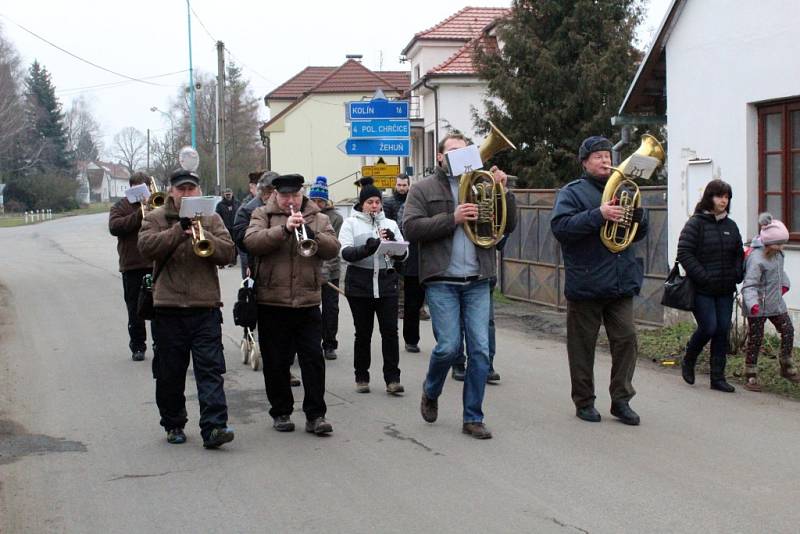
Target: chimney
[(357, 57)]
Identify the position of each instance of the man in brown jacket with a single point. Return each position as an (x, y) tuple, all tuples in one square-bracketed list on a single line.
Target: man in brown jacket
[(124, 222), (187, 318), (288, 293)]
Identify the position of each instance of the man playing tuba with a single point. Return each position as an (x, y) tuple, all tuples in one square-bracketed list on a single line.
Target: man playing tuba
[(456, 273), (600, 284)]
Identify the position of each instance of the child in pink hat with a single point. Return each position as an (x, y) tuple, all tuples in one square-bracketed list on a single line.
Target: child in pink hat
[(765, 283)]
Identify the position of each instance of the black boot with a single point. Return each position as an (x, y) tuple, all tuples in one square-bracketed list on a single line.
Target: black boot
[(688, 363), (718, 381)]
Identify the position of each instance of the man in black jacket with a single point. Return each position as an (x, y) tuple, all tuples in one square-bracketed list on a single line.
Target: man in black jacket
[(226, 208), (600, 284), (392, 205)]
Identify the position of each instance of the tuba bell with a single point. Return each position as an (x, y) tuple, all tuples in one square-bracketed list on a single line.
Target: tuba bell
[(480, 188), (618, 235)]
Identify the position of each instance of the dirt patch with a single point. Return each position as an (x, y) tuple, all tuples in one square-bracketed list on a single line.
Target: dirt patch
[(16, 442), (531, 319)]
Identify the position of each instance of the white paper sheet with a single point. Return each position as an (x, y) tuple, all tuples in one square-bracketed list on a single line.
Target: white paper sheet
[(194, 206), (463, 160), (641, 166), (137, 193), (393, 248)]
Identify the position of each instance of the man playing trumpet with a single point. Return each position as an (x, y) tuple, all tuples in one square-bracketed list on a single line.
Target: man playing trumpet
[(290, 238), (124, 222), (187, 318)]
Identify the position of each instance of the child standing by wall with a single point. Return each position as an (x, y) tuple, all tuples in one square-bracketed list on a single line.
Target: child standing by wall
[(765, 283)]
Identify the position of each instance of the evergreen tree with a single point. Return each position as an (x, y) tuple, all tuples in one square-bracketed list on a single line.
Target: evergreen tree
[(48, 137), (243, 150), (560, 75)]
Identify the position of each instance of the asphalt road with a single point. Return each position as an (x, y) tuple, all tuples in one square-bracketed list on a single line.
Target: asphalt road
[(81, 449)]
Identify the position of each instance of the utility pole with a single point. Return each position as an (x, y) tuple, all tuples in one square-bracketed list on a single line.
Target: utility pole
[(221, 114), (192, 109), (148, 151)]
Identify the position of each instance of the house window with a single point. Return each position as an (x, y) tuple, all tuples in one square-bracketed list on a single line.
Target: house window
[(779, 163)]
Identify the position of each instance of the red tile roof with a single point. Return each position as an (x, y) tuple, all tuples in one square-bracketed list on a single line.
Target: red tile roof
[(464, 25), (300, 83), (352, 76), (462, 62)]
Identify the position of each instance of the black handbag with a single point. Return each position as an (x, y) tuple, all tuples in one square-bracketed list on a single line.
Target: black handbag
[(145, 308), (678, 291)]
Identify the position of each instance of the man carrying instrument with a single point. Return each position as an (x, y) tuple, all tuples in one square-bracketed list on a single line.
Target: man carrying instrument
[(124, 222), (456, 275), (187, 318), (600, 284), (288, 293)]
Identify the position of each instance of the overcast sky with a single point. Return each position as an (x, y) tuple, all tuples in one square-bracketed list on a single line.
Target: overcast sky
[(271, 40)]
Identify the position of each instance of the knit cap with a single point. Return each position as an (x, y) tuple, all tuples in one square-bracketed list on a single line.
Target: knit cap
[(368, 190), (773, 231), (319, 189)]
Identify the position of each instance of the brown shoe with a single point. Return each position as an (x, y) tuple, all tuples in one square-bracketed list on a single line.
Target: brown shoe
[(751, 384), (789, 372), (362, 387), (394, 388), (476, 430), (429, 408)]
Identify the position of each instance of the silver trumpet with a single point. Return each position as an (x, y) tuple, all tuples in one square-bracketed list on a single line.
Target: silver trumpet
[(305, 247)]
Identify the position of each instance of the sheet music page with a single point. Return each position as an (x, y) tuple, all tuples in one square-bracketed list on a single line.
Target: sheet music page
[(194, 206), (137, 193), (393, 248), (641, 166), (463, 160)]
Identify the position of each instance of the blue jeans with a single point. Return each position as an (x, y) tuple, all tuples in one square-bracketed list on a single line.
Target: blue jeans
[(462, 359), (450, 306), (713, 316)]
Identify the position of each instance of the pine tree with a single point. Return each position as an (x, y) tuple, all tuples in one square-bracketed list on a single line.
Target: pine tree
[(242, 145), (560, 76), (45, 119)]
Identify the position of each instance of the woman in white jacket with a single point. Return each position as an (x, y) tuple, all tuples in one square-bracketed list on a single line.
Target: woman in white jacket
[(370, 285)]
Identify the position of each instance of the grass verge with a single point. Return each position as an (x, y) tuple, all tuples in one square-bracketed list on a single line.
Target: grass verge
[(7, 221), (668, 343)]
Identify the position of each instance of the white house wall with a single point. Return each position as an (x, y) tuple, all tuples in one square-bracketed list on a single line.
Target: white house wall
[(722, 59), (307, 141)]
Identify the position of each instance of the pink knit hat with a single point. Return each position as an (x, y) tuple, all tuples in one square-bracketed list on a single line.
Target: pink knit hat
[(773, 232)]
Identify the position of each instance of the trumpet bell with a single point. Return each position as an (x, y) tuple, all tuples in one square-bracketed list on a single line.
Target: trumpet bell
[(157, 199), (307, 248), (203, 248)]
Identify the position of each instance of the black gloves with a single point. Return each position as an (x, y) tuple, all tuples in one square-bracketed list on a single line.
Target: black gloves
[(309, 232), (638, 215), (186, 223), (389, 234), (371, 245)]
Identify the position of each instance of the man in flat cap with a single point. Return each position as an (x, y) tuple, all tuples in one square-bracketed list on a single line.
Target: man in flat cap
[(600, 284), (289, 296), (226, 208), (187, 317)]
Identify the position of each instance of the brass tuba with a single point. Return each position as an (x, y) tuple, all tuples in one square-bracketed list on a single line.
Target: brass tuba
[(480, 187), (618, 235)]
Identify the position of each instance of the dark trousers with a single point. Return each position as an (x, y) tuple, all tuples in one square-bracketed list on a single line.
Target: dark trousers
[(755, 336), (413, 299), (583, 325), (176, 334), (137, 333), (284, 332), (713, 317), (330, 316), (364, 309)]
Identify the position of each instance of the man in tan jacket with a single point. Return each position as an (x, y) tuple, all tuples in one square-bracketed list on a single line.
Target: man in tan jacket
[(124, 222), (288, 293), (187, 318)]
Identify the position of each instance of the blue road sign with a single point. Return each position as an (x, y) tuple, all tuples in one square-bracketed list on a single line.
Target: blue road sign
[(377, 109), (376, 147), (380, 128)]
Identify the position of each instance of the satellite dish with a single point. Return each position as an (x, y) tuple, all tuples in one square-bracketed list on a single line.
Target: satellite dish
[(189, 159)]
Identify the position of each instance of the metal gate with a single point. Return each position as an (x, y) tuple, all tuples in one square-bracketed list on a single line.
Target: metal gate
[(531, 263)]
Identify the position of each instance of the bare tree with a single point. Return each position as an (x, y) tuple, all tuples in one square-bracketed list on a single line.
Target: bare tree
[(12, 111), (164, 157), (130, 146), (83, 131)]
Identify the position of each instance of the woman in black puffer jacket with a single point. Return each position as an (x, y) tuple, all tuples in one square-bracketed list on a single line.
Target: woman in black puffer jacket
[(710, 250)]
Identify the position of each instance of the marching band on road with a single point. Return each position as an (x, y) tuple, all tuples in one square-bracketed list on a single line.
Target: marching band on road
[(291, 243)]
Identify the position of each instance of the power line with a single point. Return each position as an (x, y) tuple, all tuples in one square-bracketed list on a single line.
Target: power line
[(95, 65), (111, 85), (200, 21)]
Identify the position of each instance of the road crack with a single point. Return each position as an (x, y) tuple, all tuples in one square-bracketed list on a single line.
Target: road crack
[(392, 432), (567, 525), (149, 475)]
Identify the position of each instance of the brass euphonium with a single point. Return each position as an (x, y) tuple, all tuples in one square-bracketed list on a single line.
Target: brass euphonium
[(480, 187), (618, 235), (200, 245)]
